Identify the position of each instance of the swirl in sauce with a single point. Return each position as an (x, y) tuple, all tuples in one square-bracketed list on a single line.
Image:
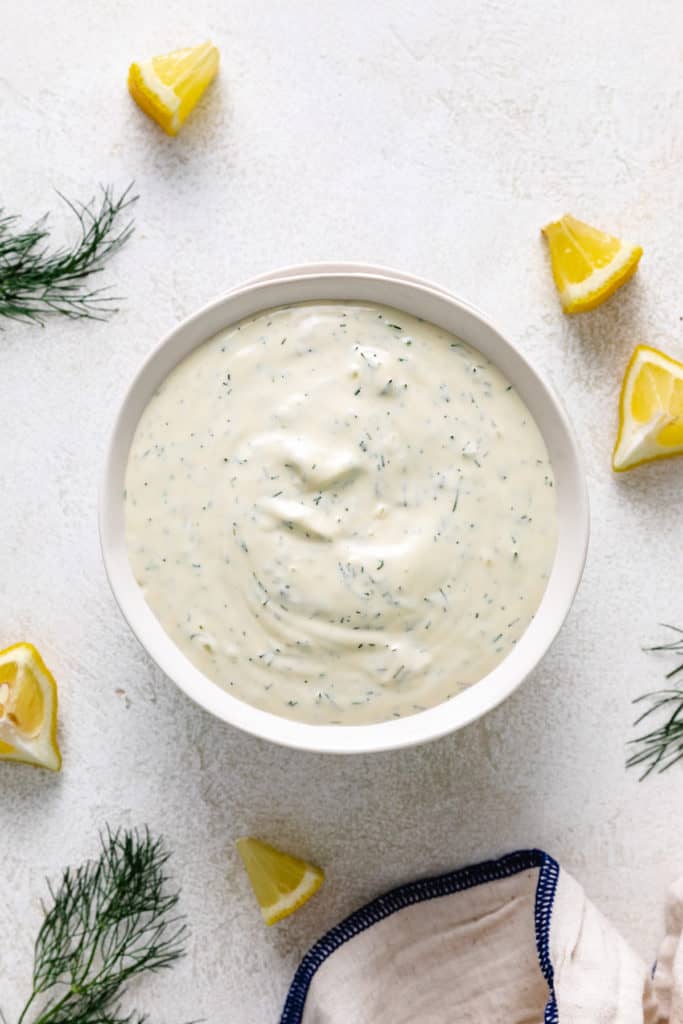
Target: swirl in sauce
[(340, 513)]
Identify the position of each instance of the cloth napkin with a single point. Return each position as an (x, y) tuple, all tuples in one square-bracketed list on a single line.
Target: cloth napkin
[(511, 941)]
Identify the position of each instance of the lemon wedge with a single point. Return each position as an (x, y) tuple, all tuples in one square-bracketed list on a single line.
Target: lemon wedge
[(169, 87), (588, 265), (281, 883), (650, 410), (28, 709)]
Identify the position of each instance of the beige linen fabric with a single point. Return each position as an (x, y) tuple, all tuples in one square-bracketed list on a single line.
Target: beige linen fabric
[(664, 1002), (524, 948), (459, 958)]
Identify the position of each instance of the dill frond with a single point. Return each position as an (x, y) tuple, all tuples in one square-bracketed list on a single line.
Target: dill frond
[(107, 922), (661, 747), (35, 283)]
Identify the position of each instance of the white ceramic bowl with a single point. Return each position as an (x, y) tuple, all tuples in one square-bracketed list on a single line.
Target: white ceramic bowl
[(385, 287)]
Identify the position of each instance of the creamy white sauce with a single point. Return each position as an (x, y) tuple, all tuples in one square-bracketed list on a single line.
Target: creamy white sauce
[(340, 513)]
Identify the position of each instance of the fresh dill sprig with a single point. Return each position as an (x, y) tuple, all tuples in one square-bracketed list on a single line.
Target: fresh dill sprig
[(110, 921), (35, 282), (662, 747)]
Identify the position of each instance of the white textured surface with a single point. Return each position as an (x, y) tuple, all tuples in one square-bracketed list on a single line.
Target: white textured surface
[(437, 137)]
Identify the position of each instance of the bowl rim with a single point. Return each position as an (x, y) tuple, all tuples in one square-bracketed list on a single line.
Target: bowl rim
[(363, 282)]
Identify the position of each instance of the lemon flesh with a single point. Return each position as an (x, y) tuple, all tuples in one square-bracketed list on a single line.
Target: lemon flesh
[(650, 410), (169, 87), (28, 709), (588, 265), (281, 883)]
